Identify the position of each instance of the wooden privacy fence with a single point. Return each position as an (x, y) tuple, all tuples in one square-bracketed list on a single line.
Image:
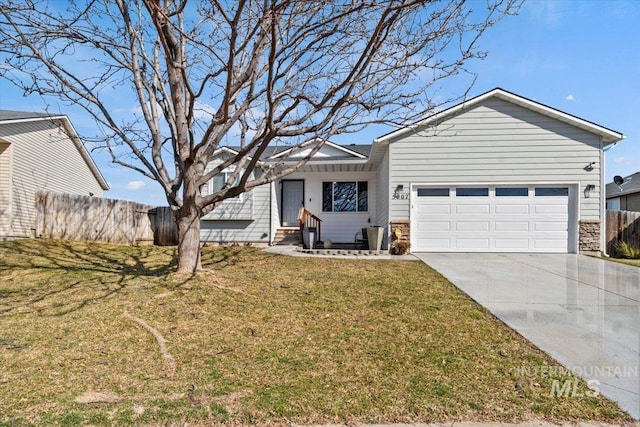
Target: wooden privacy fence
[(623, 226), (93, 219)]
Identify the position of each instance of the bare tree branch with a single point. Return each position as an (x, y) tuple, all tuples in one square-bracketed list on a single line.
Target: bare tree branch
[(169, 81)]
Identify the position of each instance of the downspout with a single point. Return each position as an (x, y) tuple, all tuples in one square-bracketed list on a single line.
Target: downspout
[(603, 202), (271, 189)]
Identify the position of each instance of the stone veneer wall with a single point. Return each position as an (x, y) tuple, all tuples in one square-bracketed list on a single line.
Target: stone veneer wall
[(589, 238)]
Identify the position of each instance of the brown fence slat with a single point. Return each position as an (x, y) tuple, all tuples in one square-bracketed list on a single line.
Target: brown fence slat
[(623, 226), (93, 219)]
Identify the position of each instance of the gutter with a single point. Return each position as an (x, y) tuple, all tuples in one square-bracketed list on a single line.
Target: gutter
[(32, 119)]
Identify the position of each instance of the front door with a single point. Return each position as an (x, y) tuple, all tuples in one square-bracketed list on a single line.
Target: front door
[(292, 201)]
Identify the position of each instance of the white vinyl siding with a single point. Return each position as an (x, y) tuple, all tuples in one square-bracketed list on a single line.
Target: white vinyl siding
[(44, 158), (241, 229), (242, 219), (497, 142), (5, 189)]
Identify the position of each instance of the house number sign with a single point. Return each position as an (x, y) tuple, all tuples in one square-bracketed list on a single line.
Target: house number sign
[(400, 196)]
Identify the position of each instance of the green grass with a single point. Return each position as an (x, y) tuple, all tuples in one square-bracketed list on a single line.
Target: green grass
[(258, 339), (634, 262)]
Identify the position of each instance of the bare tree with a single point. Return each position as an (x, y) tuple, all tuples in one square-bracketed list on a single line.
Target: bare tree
[(291, 72)]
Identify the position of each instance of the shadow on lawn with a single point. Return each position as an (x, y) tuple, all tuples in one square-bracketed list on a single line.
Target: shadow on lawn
[(57, 277)]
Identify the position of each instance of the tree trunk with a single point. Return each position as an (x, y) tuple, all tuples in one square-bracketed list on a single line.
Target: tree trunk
[(188, 242)]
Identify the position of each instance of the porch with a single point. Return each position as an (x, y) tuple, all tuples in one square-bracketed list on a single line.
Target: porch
[(337, 205)]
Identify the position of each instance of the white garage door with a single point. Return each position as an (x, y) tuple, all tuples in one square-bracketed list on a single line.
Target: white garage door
[(514, 218)]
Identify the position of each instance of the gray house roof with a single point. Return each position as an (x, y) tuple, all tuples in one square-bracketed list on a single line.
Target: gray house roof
[(631, 185), (12, 116)]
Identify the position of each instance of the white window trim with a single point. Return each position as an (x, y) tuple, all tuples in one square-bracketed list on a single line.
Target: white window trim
[(227, 172)]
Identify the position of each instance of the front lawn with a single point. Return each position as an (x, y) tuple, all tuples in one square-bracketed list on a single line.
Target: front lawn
[(634, 262), (257, 339)]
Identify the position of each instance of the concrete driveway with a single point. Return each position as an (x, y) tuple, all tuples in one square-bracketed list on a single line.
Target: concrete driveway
[(582, 311)]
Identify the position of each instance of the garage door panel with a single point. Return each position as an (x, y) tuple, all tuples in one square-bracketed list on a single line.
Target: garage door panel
[(550, 226), (433, 226), (520, 244), (472, 244), (503, 209), (512, 226), (472, 209), (473, 226), (498, 222), (434, 208), (553, 209)]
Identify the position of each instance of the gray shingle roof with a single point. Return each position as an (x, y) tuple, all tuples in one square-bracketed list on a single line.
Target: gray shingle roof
[(631, 185), (6, 115)]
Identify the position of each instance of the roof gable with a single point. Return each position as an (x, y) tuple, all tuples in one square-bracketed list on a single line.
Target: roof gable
[(328, 151), (608, 136), (10, 116)]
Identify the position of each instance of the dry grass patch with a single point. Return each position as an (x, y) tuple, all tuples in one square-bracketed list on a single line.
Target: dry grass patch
[(634, 262), (257, 338)]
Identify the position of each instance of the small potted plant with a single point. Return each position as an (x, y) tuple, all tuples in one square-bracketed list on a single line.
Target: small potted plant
[(400, 247)]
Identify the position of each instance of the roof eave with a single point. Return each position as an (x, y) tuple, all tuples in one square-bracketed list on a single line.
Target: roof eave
[(83, 151), (321, 162), (32, 119)]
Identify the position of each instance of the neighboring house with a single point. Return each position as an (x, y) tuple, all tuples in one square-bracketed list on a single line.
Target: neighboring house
[(40, 152), (626, 196), (496, 173)]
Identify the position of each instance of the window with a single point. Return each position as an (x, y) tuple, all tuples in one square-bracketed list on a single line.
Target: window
[(220, 180), (348, 196), (512, 191), (433, 192), (474, 192), (551, 191)]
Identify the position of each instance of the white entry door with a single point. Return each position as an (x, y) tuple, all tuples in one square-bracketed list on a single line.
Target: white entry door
[(509, 218), (292, 201)]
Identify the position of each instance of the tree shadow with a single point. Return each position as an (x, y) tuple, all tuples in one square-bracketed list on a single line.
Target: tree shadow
[(220, 257), (55, 277), (52, 277)]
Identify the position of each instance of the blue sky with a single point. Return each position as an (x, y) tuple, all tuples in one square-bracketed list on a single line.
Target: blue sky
[(582, 57)]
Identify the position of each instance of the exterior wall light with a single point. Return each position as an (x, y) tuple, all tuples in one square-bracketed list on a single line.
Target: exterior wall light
[(588, 189)]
